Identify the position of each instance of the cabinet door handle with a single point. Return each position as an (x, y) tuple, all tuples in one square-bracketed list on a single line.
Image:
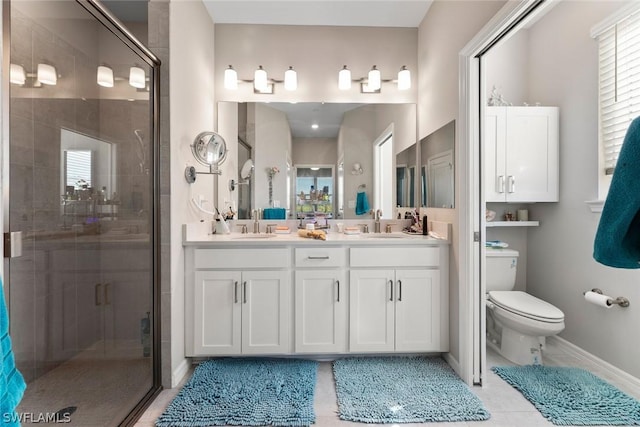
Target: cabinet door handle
[(501, 184), (97, 294), (235, 292), (399, 290), (107, 297), (244, 291), (338, 283), (391, 289), (318, 257), (512, 184)]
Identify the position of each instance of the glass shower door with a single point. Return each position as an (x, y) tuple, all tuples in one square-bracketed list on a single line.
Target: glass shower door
[(81, 296)]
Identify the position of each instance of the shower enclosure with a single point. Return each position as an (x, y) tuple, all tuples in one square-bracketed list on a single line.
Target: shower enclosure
[(79, 192)]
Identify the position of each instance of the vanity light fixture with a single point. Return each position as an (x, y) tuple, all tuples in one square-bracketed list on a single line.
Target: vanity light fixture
[(374, 78), (17, 75), (290, 79), (105, 76), (404, 78), (344, 79), (260, 81), (47, 74), (137, 77), (230, 78)]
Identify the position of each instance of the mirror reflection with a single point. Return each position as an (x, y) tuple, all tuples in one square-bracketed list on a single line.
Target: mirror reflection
[(437, 170), (405, 177), (331, 144)]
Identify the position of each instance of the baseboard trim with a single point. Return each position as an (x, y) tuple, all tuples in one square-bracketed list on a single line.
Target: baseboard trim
[(455, 365), (583, 354), (178, 374)]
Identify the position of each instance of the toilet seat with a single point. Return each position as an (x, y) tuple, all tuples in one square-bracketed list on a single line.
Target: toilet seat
[(525, 305)]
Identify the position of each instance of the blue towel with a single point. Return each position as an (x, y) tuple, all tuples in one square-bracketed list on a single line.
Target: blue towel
[(362, 204), (617, 242), (274, 213), (12, 384)]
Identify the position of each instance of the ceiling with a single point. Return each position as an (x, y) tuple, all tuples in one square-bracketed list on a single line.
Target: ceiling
[(302, 115), (359, 13)]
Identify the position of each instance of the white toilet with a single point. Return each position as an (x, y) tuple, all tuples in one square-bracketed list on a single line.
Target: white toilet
[(517, 323)]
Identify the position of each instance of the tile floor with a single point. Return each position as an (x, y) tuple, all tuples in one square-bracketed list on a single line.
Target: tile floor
[(507, 406)]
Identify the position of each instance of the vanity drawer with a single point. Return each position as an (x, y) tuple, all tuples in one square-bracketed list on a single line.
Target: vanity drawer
[(320, 257), (395, 257), (242, 258)]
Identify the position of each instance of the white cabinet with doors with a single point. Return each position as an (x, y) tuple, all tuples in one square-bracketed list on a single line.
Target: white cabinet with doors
[(239, 302), (321, 300), (521, 154), (402, 308)]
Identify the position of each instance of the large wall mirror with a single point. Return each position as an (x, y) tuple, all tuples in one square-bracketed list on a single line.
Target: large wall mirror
[(437, 170), (318, 157)]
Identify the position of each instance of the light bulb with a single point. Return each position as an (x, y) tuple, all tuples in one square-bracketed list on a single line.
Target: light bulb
[(404, 78), (47, 74), (344, 79), (17, 75), (105, 76), (260, 79), (137, 77), (290, 79), (230, 78), (374, 78)]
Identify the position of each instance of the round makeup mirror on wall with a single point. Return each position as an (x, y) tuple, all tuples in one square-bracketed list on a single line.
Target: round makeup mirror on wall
[(210, 149)]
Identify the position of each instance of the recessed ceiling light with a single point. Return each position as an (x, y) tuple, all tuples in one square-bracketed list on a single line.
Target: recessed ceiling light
[(314, 126)]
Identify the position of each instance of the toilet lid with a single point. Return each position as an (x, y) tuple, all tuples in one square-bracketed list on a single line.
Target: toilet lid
[(527, 305)]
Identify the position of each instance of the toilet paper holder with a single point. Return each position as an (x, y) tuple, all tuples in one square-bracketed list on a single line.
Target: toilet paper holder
[(621, 301)]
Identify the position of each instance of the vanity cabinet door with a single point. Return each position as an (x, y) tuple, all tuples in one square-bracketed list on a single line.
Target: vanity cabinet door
[(418, 310), (217, 313), (320, 311), (266, 312), (372, 310)]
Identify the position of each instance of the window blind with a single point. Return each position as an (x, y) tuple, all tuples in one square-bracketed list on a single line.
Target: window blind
[(619, 81), (78, 167)]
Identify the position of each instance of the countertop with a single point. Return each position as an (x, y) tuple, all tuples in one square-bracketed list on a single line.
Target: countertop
[(197, 235)]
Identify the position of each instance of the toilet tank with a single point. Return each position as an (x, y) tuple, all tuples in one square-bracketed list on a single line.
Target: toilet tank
[(501, 269)]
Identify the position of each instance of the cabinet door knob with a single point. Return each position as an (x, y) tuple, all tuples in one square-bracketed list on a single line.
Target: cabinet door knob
[(512, 184), (338, 283), (235, 292), (399, 290), (97, 294), (501, 184), (391, 289), (244, 291), (107, 297)]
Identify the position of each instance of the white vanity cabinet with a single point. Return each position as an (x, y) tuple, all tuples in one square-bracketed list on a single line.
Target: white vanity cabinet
[(321, 300), (521, 154), (239, 302), (402, 309)]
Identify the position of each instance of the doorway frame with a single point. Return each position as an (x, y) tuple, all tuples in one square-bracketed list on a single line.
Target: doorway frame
[(471, 220)]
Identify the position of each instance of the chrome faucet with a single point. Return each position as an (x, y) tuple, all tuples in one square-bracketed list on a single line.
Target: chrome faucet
[(376, 225), (256, 221)]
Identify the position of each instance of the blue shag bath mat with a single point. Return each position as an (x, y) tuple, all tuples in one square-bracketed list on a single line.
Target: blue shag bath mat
[(403, 390), (250, 392), (572, 396)]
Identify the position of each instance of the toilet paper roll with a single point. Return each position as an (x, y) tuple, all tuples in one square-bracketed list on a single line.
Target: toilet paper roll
[(597, 299)]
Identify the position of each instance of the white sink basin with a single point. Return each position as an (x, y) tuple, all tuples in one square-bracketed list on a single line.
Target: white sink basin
[(383, 236), (253, 236)]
